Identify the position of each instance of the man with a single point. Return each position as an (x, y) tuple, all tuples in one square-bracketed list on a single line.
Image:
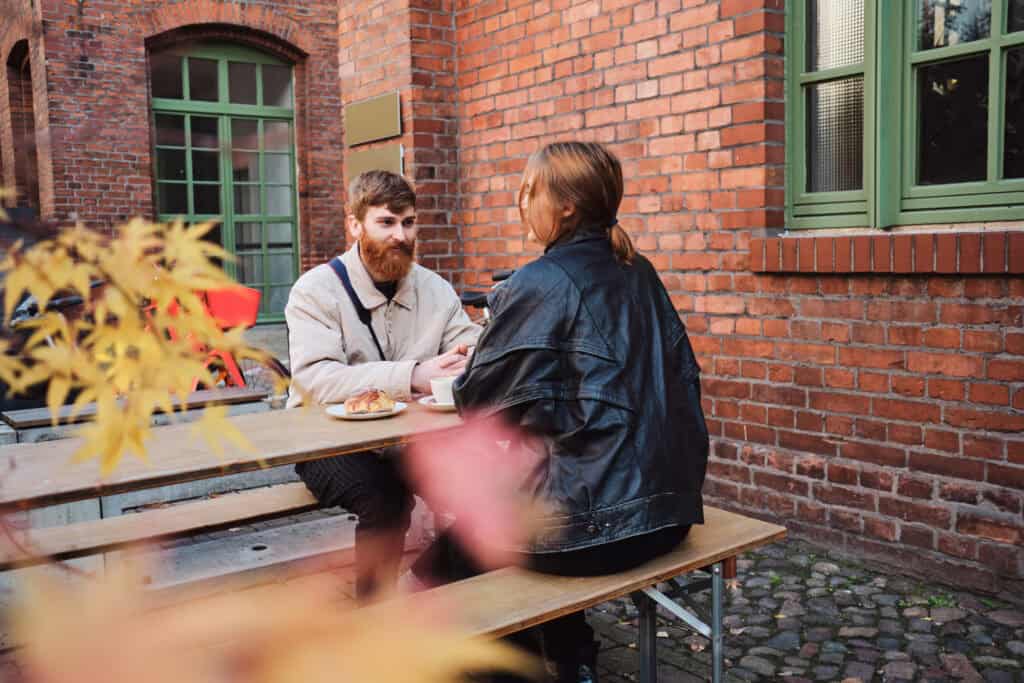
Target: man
[(419, 332)]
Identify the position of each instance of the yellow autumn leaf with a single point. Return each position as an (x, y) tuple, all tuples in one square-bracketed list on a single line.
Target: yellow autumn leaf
[(15, 284), (56, 392)]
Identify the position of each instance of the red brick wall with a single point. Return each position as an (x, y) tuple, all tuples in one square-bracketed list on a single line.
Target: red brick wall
[(879, 414), (408, 46), (99, 108)]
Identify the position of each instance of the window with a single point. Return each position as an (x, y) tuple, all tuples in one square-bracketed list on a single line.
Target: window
[(223, 135), (903, 113)]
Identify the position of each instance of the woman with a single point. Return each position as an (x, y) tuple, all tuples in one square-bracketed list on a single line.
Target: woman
[(587, 356)]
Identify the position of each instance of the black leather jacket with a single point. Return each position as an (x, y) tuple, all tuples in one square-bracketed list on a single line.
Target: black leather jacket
[(589, 355)]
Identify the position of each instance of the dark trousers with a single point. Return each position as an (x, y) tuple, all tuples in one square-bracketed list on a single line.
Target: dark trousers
[(371, 486), (568, 641)]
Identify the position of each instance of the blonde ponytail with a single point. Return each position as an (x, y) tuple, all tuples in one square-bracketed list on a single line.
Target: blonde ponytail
[(621, 244)]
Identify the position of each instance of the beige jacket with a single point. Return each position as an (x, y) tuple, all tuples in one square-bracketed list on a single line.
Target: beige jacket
[(332, 353)]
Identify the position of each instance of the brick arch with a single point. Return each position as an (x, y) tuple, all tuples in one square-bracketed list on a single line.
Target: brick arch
[(21, 111), (196, 15), (18, 29)]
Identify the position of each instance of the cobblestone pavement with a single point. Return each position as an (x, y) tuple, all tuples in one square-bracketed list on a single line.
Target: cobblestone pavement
[(796, 616)]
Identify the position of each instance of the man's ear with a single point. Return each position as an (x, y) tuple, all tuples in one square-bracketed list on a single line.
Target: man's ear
[(355, 228)]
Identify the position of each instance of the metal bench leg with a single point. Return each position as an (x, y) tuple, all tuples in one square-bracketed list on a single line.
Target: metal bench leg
[(709, 626), (648, 637), (717, 591)]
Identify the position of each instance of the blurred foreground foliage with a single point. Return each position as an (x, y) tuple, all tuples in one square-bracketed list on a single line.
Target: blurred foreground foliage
[(142, 335)]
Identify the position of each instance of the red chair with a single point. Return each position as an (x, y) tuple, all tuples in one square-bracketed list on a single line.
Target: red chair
[(230, 307)]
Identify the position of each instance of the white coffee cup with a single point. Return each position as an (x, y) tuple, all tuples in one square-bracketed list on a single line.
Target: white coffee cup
[(441, 388)]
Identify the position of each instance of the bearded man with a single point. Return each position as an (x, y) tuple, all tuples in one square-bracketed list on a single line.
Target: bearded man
[(411, 329)]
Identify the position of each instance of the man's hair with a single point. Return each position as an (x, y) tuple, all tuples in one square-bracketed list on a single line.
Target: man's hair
[(380, 188)]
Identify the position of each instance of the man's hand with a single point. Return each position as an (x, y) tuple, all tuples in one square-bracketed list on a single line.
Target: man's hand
[(448, 364)]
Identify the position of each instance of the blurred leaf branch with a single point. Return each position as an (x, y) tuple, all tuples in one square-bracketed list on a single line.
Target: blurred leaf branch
[(141, 338), (301, 631)]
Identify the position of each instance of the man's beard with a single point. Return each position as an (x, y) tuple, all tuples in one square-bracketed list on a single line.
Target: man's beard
[(386, 261)]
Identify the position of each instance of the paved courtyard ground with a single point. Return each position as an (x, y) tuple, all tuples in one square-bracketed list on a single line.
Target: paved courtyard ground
[(796, 615)]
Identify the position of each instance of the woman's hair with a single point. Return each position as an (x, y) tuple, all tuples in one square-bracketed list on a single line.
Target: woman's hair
[(586, 176)]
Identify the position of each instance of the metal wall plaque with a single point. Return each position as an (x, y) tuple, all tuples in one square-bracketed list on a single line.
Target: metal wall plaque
[(384, 158), (374, 119)]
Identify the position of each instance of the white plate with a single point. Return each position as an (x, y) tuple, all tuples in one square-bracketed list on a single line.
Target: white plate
[(431, 402), (338, 410)]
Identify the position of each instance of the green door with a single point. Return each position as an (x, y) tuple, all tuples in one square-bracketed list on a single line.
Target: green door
[(224, 150)]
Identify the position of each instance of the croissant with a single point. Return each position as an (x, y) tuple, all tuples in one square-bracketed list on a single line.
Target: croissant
[(370, 401)]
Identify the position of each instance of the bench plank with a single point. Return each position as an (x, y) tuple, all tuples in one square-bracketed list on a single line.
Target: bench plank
[(113, 533), (39, 474), (40, 417), (508, 600)]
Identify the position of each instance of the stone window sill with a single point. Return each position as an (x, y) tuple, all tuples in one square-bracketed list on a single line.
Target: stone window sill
[(990, 252)]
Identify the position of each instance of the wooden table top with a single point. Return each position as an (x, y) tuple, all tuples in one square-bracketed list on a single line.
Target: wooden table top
[(41, 474)]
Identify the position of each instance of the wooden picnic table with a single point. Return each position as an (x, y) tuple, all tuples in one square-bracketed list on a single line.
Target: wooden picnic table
[(41, 474)]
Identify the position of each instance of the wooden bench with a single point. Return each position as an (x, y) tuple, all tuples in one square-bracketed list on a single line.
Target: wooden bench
[(40, 417), (125, 531), (508, 600), (35, 424)]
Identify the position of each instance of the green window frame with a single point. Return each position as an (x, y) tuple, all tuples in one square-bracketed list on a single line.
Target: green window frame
[(894, 189), (224, 149)]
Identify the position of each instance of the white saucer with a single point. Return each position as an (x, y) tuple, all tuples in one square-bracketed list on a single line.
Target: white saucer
[(338, 410), (431, 402)]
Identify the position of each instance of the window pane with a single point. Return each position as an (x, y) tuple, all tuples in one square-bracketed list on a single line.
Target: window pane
[(950, 22), (281, 267), (173, 198), (249, 236), (246, 165), (170, 164), (204, 132), (214, 237), (247, 199), (279, 200), (1013, 166), (242, 82), (170, 130), (279, 234), (205, 166), (835, 135), (835, 33), (278, 167), (165, 75), (277, 86), (1016, 22), (206, 199), (250, 269), (277, 297), (953, 113), (202, 79), (277, 135), (245, 134)]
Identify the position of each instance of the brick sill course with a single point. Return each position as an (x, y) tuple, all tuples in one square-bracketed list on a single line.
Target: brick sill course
[(996, 252)]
